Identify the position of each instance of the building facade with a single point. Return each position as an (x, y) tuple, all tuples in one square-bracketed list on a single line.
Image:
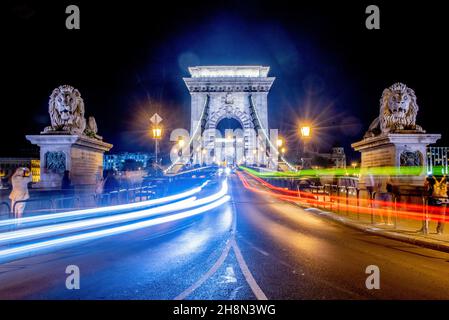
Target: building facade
[(117, 161), (9, 165)]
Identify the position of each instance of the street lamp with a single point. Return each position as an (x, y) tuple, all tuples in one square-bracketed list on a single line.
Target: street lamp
[(279, 142), (305, 134), (181, 144), (305, 131), (157, 134), (354, 165)]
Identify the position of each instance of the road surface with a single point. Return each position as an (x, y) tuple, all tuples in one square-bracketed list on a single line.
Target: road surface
[(253, 247)]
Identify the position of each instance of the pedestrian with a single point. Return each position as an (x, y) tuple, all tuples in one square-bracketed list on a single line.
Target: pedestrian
[(67, 189), (19, 181), (384, 195), (369, 184), (66, 183), (110, 184), (437, 198)]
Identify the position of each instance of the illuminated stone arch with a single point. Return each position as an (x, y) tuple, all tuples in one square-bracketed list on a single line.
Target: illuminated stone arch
[(219, 92)]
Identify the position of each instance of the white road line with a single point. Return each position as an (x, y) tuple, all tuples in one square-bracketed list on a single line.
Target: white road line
[(260, 295), (207, 275)]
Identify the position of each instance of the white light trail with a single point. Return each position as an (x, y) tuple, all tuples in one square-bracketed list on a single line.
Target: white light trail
[(35, 247), (109, 209), (33, 233)]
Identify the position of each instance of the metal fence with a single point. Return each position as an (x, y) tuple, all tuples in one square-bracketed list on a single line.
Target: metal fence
[(343, 200), (437, 157), (361, 203), (43, 205), (151, 187)]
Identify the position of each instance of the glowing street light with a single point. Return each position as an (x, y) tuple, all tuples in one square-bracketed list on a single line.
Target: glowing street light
[(354, 165), (157, 132), (305, 134), (305, 131), (279, 143), (157, 135)]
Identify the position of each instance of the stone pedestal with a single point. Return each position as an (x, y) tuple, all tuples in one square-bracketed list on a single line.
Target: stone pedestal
[(81, 155), (398, 150)]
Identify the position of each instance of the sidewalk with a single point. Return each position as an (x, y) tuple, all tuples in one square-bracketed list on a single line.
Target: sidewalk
[(406, 230)]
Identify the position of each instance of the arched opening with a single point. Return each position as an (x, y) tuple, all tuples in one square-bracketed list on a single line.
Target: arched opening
[(231, 142), (228, 123)]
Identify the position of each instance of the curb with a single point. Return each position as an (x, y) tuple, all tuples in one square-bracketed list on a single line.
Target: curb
[(373, 230)]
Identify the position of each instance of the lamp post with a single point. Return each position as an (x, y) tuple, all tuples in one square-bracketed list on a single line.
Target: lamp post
[(305, 134), (354, 165), (181, 144), (279, 143), (157, 134)]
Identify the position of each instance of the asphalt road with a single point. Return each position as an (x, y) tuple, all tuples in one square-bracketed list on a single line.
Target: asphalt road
[(253, 247)]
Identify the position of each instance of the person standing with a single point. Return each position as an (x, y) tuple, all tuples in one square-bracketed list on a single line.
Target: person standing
[(67, 189), (19, 181), (437, 198), (370, 183), (66, 183), (110, 185), (384, 197)]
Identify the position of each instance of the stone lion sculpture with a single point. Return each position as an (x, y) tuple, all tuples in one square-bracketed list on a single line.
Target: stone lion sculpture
[(66, 109), (398, 110)]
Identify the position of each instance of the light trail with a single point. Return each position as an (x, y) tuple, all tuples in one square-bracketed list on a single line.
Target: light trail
[(433, 213), (377, 171), (38, 232), (382, 203), (54, 243), (108, 209)]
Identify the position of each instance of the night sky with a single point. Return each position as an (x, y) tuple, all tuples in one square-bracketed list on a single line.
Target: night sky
[(128, 60)]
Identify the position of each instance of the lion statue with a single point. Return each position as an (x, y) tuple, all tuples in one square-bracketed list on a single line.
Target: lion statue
[(66, 109), (398, 110)]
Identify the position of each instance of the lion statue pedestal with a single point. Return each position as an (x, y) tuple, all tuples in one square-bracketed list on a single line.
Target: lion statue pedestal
[(70, 143), (395, 141)]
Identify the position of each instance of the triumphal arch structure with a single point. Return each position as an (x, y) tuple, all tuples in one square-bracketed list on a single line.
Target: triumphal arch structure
[(230, 92)]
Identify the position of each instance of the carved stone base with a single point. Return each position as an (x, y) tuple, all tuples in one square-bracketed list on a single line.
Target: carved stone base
[(81, 155), (396, 150)]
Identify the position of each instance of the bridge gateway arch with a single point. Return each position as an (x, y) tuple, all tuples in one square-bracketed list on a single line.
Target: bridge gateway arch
[(230, 92)]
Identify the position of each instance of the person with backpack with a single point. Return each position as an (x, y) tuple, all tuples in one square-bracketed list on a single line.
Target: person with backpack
[(438, 197)]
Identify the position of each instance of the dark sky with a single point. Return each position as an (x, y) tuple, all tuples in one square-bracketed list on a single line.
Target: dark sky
[(129, 58)]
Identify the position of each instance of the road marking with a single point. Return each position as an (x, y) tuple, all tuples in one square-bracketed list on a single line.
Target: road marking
[(260, 295), (207, 275)]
